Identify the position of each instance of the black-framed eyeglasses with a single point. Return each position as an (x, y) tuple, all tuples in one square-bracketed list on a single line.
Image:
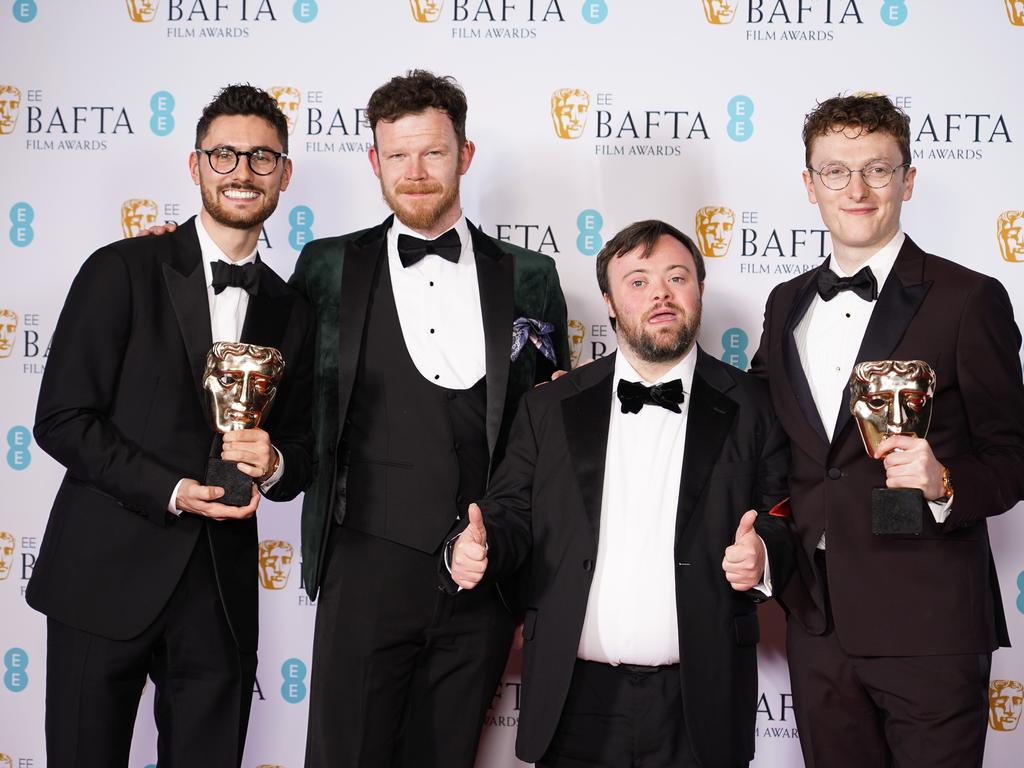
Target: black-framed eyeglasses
[(837, 176), (262, 161)]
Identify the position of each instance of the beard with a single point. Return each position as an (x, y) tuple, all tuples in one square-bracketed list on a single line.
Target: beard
[(661, 347), (220, 212), (422, 215)]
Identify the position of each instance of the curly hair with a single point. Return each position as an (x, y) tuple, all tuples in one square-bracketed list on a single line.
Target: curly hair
[(244, 100), (416, 92), (870, 112)]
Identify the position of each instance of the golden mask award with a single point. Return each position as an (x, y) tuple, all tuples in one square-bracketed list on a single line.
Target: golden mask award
[(240, 382), (893, 397)]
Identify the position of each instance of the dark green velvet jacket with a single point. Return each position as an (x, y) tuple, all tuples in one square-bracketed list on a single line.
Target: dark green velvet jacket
[(335, 276)]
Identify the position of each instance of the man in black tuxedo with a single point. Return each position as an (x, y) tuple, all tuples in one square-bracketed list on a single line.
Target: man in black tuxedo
[(639, 650), (141, 571), (429, 332), (889, 634)]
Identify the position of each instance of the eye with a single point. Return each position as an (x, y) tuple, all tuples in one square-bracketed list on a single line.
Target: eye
[(835, 171), (880, 170), (638, 283), (227, 380)]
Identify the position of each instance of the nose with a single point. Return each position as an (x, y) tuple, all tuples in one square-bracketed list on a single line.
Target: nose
[(415, 169), (898, 415), (857, 189), (245, 394)]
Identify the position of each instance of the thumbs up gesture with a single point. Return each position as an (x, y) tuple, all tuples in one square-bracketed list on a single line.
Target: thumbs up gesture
[(469, 554), (744, 558)]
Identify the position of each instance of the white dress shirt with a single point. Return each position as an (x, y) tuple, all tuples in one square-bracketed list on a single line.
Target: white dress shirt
[(227, 316), (829, 336), (631, 612), (439, 311)]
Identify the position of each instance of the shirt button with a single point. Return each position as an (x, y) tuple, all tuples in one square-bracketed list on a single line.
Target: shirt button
[(437, 376), (431, 330), (834, 473), (431, 283), (588, 564)]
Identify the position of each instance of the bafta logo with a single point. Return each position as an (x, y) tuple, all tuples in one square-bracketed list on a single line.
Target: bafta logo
[(142, 10), (1010, 231), (719, 11), (1005, 702), (426, 11), (10, 101), (137, 214), (6, 557), (714, 229), (1015, 12), (576, 333), (6, 761), (288, 100), (8, 332), (569, 107), (275, 563)]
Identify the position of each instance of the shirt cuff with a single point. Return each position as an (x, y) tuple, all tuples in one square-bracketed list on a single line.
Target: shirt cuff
[(172, 506), (941, 509), (269, 483), (765, 587)]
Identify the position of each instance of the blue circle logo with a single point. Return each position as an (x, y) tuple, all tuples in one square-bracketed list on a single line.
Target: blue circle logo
[(305, 11), (18, 441), (21, 232), (162, 105), (301, 220), (15, 664), (740, 127), (293, 689), (894, 12), (589, 224), (734, 344), (595, 11), (24, 10)]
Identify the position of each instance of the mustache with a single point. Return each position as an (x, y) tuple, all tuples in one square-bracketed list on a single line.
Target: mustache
[(249, 187), (663, 306), (418, 188)]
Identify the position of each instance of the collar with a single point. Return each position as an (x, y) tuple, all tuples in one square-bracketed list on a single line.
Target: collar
[(460, 226), (212, 252), (683, 370), (881, 263)]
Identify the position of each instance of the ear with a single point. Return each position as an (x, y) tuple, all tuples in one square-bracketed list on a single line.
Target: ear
[(809, 184), (608, 303), (193, 165), (466, 156), (286, 174), (908, 183), (374, 160)]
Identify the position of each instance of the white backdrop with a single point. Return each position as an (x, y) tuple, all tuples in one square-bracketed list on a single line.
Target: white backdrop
[(98, 108)]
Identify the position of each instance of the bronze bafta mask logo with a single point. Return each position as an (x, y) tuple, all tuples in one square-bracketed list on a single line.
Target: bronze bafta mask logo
[(8, 332), (891, 397), (10, 102), (6, 761), (569, 107), (137, 214), (142, 11), (426, 11), (1015, 12), (240, 381), (714, 229), (6, 557), (1010, 231), (288, 101), (275, 563), (719, 11), (1005, 702), (576, 333)]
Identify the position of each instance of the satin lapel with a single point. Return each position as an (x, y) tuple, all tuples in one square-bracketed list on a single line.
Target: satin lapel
[(708, 423), (585, 417), (186, 286), (267, 315), (362, 259), (809, 430), (897, 303), (495, 276)]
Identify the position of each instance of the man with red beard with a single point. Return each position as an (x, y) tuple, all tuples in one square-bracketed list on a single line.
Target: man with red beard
[(142, 572), (429, 332), (636, 491)]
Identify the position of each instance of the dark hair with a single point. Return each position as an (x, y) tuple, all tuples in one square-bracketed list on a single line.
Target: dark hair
[(870, 112), (243, 100), (643, 234), (416, 92)]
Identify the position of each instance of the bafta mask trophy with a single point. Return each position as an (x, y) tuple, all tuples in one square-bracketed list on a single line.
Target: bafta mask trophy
[(893, 397), (240, 382)]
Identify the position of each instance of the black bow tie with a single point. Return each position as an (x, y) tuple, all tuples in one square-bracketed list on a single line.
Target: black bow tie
[(863, 284), (246, 277), (635, 395), (412, 249)]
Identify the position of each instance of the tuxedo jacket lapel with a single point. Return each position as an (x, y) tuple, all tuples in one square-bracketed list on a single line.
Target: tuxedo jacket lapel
[(494, 272), (186, 286), (585, 417), (811, 431), (266, 316)]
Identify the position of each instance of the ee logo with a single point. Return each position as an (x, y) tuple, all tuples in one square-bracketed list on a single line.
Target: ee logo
[(15, 663), (162, 105), (18, 440), (734, 344), (589, 224), (21, 216), (1020, 593), (301, 220), (894, 12), (740, 127), (24, 10), (305, 11), (293, 689), (595, 11)]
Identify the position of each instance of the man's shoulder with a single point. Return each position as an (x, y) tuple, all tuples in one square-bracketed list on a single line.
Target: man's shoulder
[(572, 383), (330, 247), (524, 259), (737, 384)]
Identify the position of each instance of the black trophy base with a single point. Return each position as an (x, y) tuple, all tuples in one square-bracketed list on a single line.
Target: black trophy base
[(897, 511), (236, 484)]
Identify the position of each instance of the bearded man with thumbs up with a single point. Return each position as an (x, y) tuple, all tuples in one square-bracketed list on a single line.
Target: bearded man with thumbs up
[(637, 492)]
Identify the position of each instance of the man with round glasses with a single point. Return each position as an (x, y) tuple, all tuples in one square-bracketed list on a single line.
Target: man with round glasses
[(142, 571), (889, 635)]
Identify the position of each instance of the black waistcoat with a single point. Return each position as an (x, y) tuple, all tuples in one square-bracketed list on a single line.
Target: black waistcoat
[(417, 452)]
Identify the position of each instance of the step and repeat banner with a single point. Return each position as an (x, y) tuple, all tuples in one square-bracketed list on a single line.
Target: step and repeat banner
[(586, 115)]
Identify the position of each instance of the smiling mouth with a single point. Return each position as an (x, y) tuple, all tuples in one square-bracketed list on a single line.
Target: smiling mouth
[(241, 195)]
